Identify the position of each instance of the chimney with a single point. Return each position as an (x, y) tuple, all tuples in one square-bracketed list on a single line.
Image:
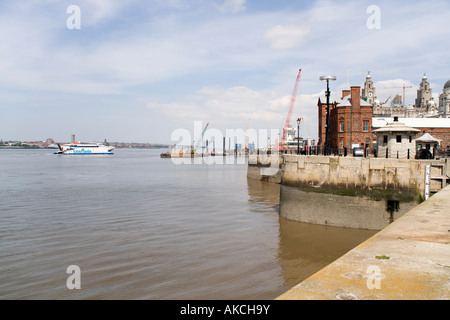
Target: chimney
[(345, 93), (356, 98), (73, 138)]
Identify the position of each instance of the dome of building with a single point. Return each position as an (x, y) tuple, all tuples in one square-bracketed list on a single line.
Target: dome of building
[(447, 84), (431, 103)]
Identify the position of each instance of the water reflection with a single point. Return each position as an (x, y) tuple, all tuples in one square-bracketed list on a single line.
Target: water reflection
[(303, 249)]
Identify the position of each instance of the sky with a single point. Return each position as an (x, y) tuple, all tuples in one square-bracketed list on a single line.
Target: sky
[(137, 71)]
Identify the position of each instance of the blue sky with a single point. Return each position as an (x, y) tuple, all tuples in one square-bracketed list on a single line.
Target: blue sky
[(137, 70)]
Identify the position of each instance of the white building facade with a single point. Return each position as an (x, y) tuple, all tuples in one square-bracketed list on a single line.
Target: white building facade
[(444, 101)]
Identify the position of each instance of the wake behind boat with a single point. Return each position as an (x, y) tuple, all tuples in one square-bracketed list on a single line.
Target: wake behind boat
[(84, 149)]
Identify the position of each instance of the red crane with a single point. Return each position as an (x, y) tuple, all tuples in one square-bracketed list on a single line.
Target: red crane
[(404, 87), (287, 124)]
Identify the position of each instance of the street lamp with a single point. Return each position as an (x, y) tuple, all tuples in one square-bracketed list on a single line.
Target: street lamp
[(298, 135), (327, 124)]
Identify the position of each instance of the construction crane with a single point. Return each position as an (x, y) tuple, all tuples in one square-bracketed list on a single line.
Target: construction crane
[(386, 101), (199, 140), (287, 124), (404, 89)]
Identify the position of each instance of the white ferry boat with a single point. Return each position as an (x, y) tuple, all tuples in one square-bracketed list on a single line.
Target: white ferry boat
[(84, 148)]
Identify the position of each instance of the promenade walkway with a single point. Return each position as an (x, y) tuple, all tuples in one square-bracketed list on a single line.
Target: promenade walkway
[(409, 259)]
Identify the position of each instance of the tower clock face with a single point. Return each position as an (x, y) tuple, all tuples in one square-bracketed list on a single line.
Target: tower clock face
[(370, 94)]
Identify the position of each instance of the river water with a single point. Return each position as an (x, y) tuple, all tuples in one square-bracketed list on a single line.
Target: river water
[(141, 227)]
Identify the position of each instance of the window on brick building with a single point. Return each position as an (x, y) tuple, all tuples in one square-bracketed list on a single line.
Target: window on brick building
[(341, 144), (368, 143), (366, 125), (341, 126)]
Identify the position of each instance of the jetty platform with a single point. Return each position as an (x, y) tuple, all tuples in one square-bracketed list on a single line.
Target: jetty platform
[(407, 260)]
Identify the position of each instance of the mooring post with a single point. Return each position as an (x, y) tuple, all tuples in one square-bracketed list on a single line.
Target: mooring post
[(427, 182)]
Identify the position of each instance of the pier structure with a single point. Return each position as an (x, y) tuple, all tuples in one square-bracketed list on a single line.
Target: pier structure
[(407, 260), (355, 192)]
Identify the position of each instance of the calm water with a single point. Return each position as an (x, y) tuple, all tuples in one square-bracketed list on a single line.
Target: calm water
[(140, 227)]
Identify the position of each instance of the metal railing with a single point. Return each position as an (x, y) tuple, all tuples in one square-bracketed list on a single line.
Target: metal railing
[(358, 152)]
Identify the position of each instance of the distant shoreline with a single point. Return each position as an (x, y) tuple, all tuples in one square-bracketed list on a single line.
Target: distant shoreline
[(21, 147), (117, 147)]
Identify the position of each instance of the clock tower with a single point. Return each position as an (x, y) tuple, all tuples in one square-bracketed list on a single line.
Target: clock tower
[(368, 92)]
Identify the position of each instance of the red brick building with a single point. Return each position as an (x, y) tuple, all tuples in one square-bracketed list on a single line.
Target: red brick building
[(350, 121)]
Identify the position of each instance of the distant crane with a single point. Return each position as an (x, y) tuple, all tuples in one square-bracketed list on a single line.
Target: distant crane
[(404, 89), (386, 101), (287, 124), (199, 140)]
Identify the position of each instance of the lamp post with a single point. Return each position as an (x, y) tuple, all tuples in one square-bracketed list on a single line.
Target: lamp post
[(327, 124), (298, 135)]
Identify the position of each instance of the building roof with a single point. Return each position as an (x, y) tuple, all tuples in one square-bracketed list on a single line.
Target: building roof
[(447, 84), (347, 102), (427, 138), (414, 122), (396, 126)]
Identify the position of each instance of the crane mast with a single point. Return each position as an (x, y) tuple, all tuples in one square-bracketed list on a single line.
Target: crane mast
[(287, 124), (404, 91), (199, 141)]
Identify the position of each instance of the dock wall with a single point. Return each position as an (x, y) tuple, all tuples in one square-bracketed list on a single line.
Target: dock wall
[(365, 193), (265, 168), (376, 178), (407, 260)]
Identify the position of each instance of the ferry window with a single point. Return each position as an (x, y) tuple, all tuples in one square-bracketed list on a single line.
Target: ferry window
[(399, 139)]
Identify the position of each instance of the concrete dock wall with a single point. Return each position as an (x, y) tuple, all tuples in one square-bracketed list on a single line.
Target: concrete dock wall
[(377, 178), (409, 259), (265, 168), (336, 210), (365, 193)]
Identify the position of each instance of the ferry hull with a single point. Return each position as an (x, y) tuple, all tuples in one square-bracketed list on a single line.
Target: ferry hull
[(85, 149)]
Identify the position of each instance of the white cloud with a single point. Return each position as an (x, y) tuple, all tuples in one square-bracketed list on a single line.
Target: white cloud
[(390, 88), (131, 48), (232, 107), (288, 36), (99, 11), (233, 6)]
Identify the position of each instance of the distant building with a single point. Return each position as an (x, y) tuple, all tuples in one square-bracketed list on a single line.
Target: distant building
[(396, 140), (354, 114), (424, 106), (427, 141), (444, 101), (49, 141), (424, 94), (350, 119), (369, 91), (439, 128)]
